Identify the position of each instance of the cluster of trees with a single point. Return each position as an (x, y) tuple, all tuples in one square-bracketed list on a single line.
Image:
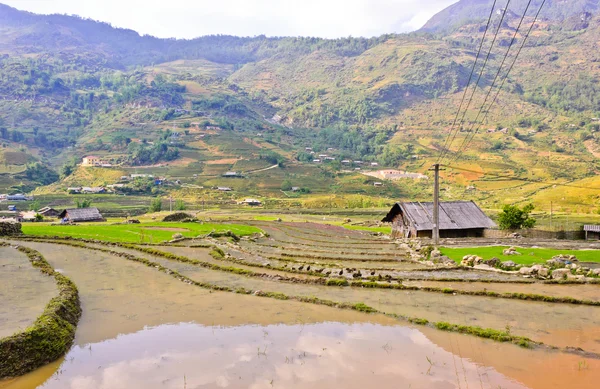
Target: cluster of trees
[(576, 95), (40, 173), (142, 154)]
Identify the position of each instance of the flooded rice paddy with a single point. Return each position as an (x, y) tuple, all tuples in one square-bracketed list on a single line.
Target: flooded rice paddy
[(24, 291), (143, 328)]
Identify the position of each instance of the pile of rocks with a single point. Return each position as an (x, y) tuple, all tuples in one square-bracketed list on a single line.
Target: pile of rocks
[(10, 227), (436, 257), (510, 251), (475, 260)]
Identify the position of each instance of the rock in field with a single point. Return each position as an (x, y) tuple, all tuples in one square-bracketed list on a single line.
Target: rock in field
[(525, 270), (559, 274), (508, 265), (510, 251), (493, 262)]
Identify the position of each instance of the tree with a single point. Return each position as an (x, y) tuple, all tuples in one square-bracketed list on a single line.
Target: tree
[(286, 185), (85, 203), (34, 206), (156, 205), (513, 218), (180, 205)]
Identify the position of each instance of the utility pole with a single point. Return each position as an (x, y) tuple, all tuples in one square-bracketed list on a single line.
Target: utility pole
[(170, 203), (436, 205)]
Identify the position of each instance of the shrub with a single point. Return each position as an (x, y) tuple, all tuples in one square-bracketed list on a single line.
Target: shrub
[(513, 218), (156, 205)]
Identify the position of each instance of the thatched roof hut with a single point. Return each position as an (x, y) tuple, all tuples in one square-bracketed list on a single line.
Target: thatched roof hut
[(82, 215)]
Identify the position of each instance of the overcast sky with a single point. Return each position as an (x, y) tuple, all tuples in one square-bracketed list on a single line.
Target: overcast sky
[(192, 18)]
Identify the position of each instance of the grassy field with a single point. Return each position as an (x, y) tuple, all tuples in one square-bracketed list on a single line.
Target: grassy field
[(529, 255), (134, 233)]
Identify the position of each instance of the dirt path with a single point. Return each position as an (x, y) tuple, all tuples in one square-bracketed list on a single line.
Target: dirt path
[(589, 144), (262, 170)]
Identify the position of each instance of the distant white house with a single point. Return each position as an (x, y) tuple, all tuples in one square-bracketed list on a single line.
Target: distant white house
[(377, 184), (224, 189), (142, 176), (252, 202)]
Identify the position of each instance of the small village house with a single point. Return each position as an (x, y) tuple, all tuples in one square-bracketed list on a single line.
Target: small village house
[(48, 212), (592, 232), (232, 174), (252, 202), (458, 219), (91, 160), (28, 216), (77, 215)]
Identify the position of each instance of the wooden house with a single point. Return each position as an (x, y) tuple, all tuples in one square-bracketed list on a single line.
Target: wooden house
[(592, 232), (458, 219), (48, 212), (82, 215)]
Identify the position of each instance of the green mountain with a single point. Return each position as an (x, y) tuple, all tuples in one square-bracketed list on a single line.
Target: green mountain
[(194, 109), (470, 11)]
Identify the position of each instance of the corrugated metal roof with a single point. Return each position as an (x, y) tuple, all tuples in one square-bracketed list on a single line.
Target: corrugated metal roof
[(454, 215), (591, 228), (82, 214)]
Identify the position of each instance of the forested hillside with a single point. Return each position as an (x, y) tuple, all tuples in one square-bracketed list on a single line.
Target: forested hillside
[(71, 87)]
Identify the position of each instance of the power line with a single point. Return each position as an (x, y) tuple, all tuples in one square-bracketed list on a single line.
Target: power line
[(522, 178), (468, 82), (462, 120), (468, 139)]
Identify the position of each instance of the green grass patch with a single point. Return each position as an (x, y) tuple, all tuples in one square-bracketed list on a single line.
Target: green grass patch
[(135, 233), (529, 255)]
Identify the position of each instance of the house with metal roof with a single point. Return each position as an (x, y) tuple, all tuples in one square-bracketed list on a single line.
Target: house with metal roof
[(82, 215), (592, 232), (458, 219)]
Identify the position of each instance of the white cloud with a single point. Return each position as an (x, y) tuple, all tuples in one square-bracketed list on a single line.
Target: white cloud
[(188, 19)]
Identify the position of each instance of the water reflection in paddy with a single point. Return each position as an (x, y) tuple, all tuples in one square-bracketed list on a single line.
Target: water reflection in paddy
[(24, 291), (315, 356)]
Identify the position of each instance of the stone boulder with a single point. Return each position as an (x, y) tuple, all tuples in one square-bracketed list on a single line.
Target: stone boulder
[(177, 236), (508, 265), (526, 270), (596, 272), (559, 274), (543, 272), (510, 251), (493, 262), (435, 253)]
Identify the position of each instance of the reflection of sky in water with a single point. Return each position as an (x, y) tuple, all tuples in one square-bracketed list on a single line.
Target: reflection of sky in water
[(312, 356)]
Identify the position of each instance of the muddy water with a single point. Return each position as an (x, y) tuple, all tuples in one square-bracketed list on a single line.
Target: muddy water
[(217, 345), (556, 324), (120, 296), (325, 355), (582, 292), (24, 291)]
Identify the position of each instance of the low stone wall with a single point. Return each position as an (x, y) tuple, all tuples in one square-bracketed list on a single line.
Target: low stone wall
[(9, 228), (535, 234), (51, 335)]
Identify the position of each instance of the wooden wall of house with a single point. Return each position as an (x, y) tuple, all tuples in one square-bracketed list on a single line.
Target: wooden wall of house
[(592, 235), (466, 233)]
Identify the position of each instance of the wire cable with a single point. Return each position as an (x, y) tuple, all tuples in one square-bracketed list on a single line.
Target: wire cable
[(462, 120), (468, 82), (470, 139), (523, 179)]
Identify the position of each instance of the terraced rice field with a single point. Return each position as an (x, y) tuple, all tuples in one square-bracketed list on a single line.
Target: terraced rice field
[(306, 305)]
